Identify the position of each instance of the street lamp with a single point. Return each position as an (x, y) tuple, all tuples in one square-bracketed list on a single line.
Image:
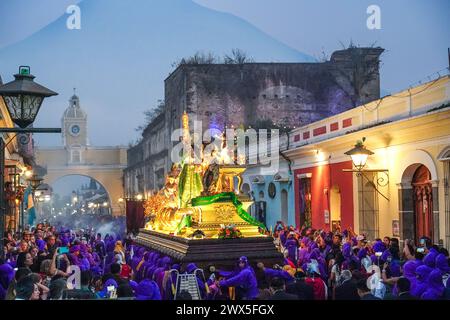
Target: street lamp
[(35, 182), (23, 98), (359, 154)]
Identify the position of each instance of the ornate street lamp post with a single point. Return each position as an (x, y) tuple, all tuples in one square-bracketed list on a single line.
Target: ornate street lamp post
[(23, 98), (359, 155)]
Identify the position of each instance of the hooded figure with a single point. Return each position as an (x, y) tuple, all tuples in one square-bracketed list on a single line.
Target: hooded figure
[(147, 290), (190, 268), (141, 266), (6, 276), (435, 287), (422, 273), (170, 282), (159, 273), (134, 285), (108, 283), (41, 244), (430, 259), (409, 272), (379, 246), (245, 280), (441, 263), (138, 255)]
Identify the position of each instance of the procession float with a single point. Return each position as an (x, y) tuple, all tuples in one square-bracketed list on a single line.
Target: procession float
[(200, 215)]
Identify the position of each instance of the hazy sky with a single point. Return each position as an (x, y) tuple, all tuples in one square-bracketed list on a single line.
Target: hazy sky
[(416, 33)]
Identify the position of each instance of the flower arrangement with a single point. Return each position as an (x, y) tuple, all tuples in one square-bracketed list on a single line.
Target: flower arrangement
[(229, 232)]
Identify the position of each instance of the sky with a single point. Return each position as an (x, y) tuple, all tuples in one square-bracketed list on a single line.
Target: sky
[(416, 33)]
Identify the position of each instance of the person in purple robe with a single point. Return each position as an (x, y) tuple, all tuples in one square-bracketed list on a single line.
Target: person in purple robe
[(430, 259), (103, 294), (139, 253), (147, 290), (190, 268), (245, 281), (144, 265), (41, 245), (435, 287), (270, 273), (159, 273), (292, 247), (151, 269), (170, 282), (422, 273), (409, 272), (6, 276)]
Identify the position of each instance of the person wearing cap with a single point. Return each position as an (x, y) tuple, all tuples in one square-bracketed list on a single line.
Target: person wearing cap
[(245, 281)]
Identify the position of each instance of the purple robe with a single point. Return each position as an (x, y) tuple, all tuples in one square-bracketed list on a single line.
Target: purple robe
[(422, 273), (147, 290), (435, 287), (246, 280)]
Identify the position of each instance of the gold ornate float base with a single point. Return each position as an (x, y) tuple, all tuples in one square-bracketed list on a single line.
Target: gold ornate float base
[(218, 252)]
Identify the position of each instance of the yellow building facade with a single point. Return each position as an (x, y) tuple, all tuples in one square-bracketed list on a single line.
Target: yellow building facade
[(405, 190)]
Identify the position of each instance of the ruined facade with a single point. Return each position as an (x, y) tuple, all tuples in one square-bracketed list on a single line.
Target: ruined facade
[(286, 94)]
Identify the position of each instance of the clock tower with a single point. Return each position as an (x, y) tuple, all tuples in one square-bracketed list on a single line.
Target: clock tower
[(74, 131)]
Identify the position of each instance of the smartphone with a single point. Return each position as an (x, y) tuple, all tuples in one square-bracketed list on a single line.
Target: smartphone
[(63, 250), (421, 250), (389, 259)]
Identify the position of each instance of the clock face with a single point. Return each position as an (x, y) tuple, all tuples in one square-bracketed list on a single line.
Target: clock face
[(75, 130)]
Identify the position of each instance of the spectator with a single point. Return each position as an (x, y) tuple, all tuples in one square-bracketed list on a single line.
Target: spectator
[(403, 286), (278, 290), (347, 290), (26, 289), (300, 288), (57, 288), (364, 292)]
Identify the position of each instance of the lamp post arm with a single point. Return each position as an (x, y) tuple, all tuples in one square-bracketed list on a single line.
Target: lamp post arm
[(30, 130), (373, 185)]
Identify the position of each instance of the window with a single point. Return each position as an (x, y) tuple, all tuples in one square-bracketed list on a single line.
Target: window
[(305, 202), (368, 206), (76, 156), (272, 190)]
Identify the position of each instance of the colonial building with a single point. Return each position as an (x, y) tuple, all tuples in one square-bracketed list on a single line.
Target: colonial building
[(402, 191), (77, 157), (18, 156), (220, 95)]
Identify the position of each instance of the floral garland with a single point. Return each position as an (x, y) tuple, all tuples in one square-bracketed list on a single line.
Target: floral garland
[(229, 232)]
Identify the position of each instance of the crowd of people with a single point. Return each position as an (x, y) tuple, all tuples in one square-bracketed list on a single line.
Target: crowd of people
[(40, 264)]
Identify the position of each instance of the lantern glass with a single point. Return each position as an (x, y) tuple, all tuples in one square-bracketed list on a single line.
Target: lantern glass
[(359, 160), (23, 108)]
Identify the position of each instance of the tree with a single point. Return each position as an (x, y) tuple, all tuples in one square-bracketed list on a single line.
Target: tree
[(151, 114), (364, 69), (237, 57), (198, 58)]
